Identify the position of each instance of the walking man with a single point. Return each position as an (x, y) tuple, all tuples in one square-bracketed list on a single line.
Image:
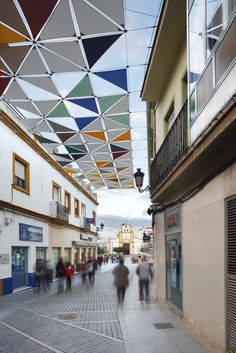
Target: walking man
[(121, 281), (60, 274), (144, 273)]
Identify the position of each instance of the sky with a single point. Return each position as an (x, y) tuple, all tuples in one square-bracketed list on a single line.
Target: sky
[(121, 206)]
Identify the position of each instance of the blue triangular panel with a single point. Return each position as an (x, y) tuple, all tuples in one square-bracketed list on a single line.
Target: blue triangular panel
[(83, 122), (87, 103), (117, 77), (96, 47)]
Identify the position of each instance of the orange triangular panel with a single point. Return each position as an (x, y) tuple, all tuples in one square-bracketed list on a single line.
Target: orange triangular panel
[(7, 35), (124, 137), (98, 134), (101, 163)]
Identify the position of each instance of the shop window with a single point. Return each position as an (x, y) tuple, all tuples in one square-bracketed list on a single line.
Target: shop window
[(94, 218), (76, 208), (67, 201), (56, 192), (21, 174)]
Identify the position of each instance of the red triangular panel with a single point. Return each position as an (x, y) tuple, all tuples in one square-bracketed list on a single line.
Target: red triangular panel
[(37, 13)]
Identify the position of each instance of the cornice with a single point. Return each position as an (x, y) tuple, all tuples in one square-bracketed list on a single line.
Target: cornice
[(54, 221)]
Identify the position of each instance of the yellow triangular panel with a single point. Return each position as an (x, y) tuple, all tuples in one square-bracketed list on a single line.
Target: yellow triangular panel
[(112, 176), (98, 134), (101, 163), (9, 36), (124, 137)]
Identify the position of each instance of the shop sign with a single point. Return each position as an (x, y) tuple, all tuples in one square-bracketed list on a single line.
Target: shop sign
[(89, 220), (85, 239), (172, 220), (30, 233)]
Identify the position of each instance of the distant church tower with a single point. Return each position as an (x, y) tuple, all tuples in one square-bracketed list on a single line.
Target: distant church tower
[(126, 238)]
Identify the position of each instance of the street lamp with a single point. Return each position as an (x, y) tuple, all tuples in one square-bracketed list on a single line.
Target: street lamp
[(138, 176), (100, 229)]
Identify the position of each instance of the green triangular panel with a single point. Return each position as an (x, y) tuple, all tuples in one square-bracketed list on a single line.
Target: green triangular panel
[(59, 112), (107, 102), (123, 119), (83, 89), (72, 149)]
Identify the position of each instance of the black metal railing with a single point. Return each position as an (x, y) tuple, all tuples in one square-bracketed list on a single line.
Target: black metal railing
[(59, 211), (171, 150)]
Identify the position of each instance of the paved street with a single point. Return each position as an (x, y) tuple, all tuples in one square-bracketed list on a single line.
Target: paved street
[(85, 320), (89, 320)]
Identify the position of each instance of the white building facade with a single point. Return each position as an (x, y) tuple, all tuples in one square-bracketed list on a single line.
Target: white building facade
[(44, 212)]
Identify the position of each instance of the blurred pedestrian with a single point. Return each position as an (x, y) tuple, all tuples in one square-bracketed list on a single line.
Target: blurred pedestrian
[(144, 273), (83, 270), (121, 281), (99, 263), (92, 266), (38, 275), (69, 274), (60, 274)]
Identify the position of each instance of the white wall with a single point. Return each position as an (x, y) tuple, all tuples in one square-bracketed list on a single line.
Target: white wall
[(203, 244), (41, 176), (9, 236)]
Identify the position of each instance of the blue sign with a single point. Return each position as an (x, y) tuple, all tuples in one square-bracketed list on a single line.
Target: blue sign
[(30, 233), (90, 220)]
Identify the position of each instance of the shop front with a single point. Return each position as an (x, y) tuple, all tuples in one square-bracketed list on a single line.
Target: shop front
[(173, 257)]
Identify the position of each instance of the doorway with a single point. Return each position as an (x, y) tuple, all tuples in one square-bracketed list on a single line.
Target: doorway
[(19, 267), (174, 269), (126, 250)]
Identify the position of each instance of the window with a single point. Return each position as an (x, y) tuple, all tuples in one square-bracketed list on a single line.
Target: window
[(56, 192), (83, 210), (76, 206), (94, 218), (67, 201), (169, 118), (21, 174)]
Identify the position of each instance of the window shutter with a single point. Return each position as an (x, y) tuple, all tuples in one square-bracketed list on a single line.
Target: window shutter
[(19, 170)]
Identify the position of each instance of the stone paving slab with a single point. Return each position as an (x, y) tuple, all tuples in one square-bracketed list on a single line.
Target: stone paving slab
[(85, 320)]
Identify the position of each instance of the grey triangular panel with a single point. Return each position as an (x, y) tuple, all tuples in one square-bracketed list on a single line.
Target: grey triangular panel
[(33, 64), (113, 134), (75, 139), (58, 64), (104, 148), (115, 12), (94, 126), (26, 106), (111, 124), (60, 24), (69, 50), (44, 83), (58, 128), (43, 127), (96, 24), (46, 106), (120, 107), (15, 92), (30, 124)]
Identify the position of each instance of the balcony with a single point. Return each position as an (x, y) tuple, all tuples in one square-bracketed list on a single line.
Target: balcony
[(58, 211), (171, 150), (84, 223), (216, 86)]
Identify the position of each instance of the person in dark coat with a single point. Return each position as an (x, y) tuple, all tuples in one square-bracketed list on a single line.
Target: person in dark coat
[(121, 281), (60, 274)]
